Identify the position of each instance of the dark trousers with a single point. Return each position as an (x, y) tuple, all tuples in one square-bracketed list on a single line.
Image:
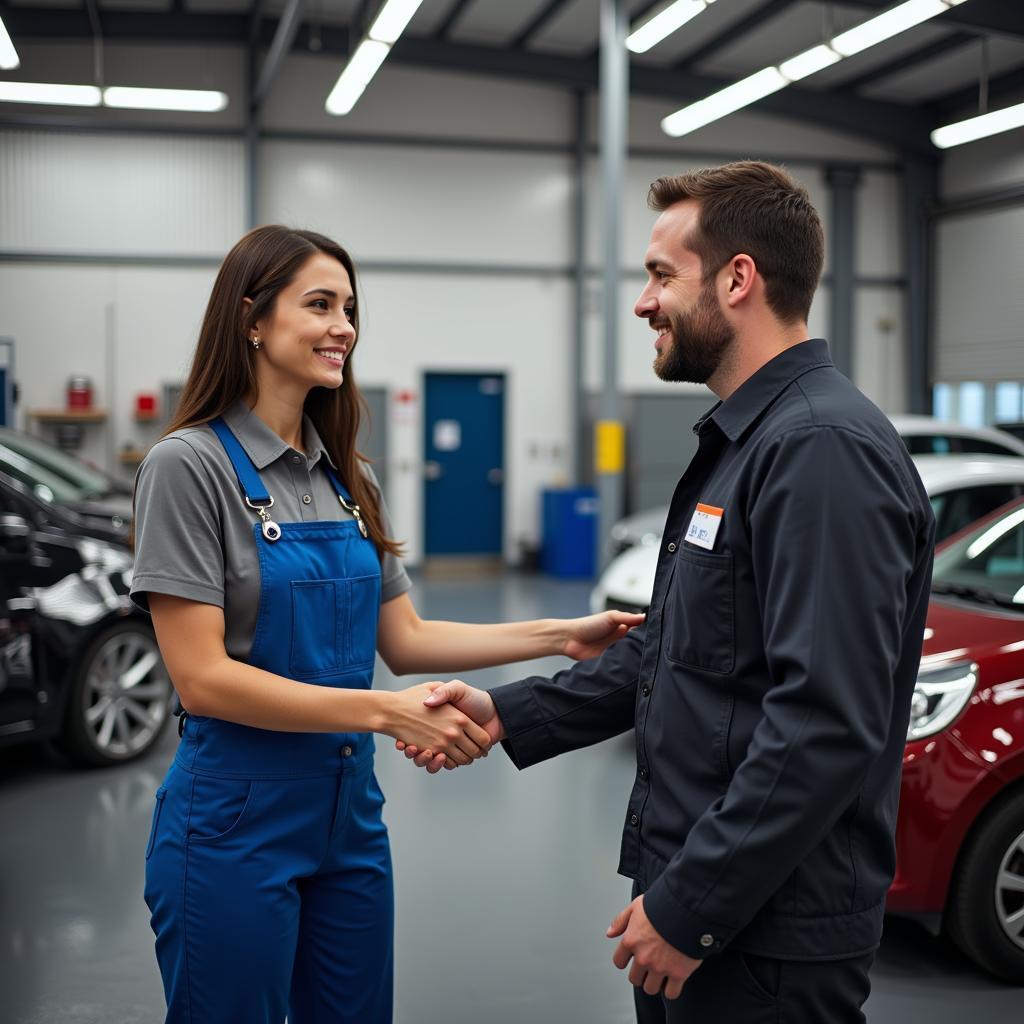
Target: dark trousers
[(741, 988)]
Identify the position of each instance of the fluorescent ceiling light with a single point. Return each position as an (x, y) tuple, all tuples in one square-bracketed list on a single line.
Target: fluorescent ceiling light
[(664, 23), (9, 58), (356, 76), (992, 123), (886, 25), (44, 92), (809, 62), (742, 93), (393, 17), (202, 100)]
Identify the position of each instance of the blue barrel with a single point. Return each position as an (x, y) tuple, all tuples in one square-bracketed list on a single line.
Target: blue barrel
[(568, 531)]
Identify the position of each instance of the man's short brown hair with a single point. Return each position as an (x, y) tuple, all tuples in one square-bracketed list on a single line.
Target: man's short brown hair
[(758, 209)]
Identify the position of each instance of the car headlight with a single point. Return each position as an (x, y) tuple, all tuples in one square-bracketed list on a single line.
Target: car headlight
[(940, 695), (105, 556)]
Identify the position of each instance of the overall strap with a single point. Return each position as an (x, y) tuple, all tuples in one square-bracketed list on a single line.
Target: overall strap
[(256, 496), (346, 499), (248, 479)]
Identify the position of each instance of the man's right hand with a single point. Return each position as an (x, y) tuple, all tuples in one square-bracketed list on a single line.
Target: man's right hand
[(473, 703)]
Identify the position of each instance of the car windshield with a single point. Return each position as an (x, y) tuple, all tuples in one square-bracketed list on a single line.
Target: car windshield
[(80, 482), (987, 565)]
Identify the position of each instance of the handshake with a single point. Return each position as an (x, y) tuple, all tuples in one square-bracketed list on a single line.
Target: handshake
[(459, 725)]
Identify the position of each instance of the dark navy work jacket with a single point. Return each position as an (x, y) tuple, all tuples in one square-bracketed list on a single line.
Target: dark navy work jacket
[(770, 687)]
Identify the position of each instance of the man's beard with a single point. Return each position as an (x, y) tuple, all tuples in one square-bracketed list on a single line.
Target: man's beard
[(700, 338)]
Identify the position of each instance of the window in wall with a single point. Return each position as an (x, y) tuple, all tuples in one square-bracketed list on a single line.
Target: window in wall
[(971, 411), (1008, 402), (942, 402)]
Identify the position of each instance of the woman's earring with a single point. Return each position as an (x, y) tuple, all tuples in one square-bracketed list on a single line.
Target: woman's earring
[(255, 342)]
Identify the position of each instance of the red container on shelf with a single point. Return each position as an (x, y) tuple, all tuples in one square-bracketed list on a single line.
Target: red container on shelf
[(79, 393), (145, 405)]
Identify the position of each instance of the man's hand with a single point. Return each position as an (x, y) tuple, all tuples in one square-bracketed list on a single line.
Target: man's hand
[(658, 968), (588, 637), (473, 703)]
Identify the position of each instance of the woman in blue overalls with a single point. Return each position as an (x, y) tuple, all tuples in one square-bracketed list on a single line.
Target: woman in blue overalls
[(268, 869)]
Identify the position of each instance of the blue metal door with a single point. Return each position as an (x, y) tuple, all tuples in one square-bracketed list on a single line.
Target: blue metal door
[(464, 450)]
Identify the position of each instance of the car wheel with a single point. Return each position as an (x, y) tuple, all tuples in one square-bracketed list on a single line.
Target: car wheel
[(985, 916), (120, 697)]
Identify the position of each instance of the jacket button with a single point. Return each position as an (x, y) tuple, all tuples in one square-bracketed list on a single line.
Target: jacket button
[(346, 751), (634, 819), (296, 459), (672, 547), (643, 773), (707, 940), (306, 499), (645, 690)]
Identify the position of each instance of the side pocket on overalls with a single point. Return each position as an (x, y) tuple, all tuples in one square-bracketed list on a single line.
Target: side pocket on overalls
[(160, 794)]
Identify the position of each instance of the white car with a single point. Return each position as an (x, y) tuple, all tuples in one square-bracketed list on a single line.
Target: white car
[(962, 488), (923, 435)]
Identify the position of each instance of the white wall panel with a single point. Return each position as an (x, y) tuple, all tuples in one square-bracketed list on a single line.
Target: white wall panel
[(417, 204), (879, 367), (520, 325), (879, 225), (90, 193), (979, 301), (985, 165)]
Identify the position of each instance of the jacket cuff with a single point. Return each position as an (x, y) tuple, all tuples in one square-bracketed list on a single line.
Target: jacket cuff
[(527, 737), (693, 935)]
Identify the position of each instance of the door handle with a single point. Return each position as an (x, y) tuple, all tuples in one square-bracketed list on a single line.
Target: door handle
[(432, 470)]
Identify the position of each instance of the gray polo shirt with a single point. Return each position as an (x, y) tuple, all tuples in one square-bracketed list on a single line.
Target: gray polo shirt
[(194, 532)]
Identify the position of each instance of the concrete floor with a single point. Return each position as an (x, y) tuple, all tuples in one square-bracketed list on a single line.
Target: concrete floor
[(505, 881)]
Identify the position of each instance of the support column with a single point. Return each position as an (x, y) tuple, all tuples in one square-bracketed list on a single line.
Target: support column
[(920, 192), (842, 248), (578, 412), (609, 438)]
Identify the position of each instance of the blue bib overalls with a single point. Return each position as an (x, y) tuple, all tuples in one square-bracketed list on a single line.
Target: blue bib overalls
[(268, 871)]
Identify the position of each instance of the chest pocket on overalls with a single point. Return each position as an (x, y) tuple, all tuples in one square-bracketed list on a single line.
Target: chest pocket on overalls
[(699, 620), (327, 616)]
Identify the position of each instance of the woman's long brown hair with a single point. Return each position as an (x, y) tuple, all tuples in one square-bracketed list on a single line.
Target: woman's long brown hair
[(223, 370)]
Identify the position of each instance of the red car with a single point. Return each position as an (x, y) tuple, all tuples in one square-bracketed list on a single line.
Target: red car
[(960, 833)]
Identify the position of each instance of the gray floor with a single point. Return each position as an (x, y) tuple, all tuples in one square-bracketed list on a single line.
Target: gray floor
[(505, 881)]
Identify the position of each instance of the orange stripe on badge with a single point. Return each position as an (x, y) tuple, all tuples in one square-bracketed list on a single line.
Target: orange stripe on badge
[(710, 510)]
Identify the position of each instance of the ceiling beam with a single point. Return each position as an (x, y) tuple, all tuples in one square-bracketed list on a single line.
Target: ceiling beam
[(1009, 86), (454, 13), (537, 22), (891, 124), (280, 47), (733, 32), (907, 61), (1000, 16)]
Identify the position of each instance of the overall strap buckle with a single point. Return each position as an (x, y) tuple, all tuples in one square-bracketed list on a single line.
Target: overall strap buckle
[(270, 529)]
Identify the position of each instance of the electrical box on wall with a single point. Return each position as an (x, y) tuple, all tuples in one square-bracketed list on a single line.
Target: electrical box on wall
[(6, 382)]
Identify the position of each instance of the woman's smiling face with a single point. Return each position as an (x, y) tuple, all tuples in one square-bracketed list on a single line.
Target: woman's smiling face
[(309, 335)]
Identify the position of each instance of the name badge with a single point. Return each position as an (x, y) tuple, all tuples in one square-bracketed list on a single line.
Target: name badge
[(704, 526)]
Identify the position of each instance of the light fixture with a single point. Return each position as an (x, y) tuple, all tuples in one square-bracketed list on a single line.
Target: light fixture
[(389, 24), (9, 58), (664, 23), (200, 100), (391, 21), (718, 104), (357, 74), (46, 92), (869, 33)]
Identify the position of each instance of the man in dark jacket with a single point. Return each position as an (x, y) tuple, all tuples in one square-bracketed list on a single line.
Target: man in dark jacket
[(770, 687)]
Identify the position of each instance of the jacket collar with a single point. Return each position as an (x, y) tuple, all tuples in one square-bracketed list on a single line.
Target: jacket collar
[(736, 414), (263, 446)]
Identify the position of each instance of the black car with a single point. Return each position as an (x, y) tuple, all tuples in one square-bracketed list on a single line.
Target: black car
[(78, 662), (58, 478)]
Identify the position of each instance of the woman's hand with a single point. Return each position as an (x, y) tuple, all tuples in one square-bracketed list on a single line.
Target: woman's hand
[(588, 637), (445, 729)]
